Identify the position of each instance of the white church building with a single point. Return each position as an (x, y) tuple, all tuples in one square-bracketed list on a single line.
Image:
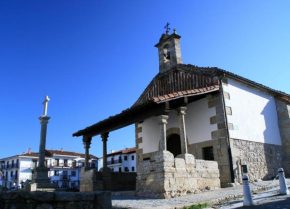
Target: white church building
[(189, 118)]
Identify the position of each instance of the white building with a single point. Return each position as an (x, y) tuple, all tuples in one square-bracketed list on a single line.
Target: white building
[(122, 160), (64, 167)]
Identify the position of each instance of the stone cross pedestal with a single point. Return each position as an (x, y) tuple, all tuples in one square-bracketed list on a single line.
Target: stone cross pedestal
[(41, 172)]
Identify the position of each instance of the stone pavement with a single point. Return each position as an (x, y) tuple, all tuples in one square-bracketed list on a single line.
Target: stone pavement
[(266, 199), (218, 198)]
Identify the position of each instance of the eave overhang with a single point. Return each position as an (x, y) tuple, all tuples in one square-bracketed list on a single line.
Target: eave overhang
[(153, 107)]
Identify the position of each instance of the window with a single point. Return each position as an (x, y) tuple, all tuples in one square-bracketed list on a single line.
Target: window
[(120, 169), (73, 173), (125, 158), (56, 162), (112, 160), (126, 169), (72, 184), (34, 163), (208, 153), (16, 174), (133, 168), (93, 165), (132, 157), (112, 169), (65, 163), (56, 172)]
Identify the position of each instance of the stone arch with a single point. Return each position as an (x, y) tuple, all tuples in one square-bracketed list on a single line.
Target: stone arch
[(174, 144), (171, 131), (166, 52)]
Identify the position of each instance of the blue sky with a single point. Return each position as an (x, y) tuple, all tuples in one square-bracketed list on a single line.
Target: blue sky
[(94, 59)]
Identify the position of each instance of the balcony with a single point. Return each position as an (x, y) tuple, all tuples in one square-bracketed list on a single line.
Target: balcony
[(61, 164), (111, 162), (64, 177)]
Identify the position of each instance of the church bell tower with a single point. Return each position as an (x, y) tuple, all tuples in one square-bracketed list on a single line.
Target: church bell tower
[(169, 50)]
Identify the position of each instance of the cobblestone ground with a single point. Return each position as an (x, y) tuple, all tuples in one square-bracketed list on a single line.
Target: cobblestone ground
[(212, 197)]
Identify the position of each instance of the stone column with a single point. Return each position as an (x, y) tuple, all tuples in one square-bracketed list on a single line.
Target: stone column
[(105, 139), (181, 114), (162, 122), (87, 142), (41, 174), (43, 122)]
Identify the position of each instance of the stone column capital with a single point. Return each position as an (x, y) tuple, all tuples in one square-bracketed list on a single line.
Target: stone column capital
[(105, 136), (181, 110), (87, 141), (162, 119), (44, 119)]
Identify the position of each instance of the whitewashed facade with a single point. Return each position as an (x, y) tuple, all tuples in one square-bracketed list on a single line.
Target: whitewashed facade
[(121, 161), (64, 168)]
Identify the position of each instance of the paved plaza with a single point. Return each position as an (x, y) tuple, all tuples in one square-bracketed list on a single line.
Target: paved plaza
[(265, 194)]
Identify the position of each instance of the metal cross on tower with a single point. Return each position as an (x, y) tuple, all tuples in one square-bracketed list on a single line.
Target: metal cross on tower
[(167, 27)]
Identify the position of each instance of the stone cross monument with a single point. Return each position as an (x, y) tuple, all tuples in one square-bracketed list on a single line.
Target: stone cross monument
[(41, 174)]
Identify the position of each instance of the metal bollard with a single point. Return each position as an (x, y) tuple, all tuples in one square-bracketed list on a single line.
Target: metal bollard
[(282, 181), (248, 200)]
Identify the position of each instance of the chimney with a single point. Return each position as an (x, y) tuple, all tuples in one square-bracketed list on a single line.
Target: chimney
[(29, 151), (112, 151), (61, 150)]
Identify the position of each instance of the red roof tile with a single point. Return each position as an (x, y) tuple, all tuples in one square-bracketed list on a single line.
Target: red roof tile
[(187, 93)]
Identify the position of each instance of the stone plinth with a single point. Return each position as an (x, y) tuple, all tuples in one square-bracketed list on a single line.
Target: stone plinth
[(106, 180), (166, 176), (41, 174)]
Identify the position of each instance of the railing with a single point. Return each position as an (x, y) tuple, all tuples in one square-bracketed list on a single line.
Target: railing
[(111, 162), (65, 177), (61, 164)]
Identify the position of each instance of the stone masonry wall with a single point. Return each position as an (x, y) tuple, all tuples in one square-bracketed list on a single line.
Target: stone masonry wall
[(219, 137), (55, 200), (106, 180), (283, 112), (220, 152), (166, 176), (263, 160)]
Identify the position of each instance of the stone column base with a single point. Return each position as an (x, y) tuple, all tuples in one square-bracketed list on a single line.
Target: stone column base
[(41, 175)]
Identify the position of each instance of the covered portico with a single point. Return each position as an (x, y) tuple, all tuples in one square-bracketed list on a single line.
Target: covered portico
[(158, 107)]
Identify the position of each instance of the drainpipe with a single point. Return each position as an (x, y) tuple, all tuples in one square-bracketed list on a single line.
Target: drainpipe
[(227, 131)]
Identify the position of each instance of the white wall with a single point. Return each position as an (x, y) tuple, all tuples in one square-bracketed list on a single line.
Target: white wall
[(197, 121), (129, 163), (25, 169), (254, 114)]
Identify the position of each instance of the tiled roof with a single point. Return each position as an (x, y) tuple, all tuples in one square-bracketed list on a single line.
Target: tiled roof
[(49, 153), (150, 103), (183, 81), (59, 152), (179, 94), (123, 151)]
